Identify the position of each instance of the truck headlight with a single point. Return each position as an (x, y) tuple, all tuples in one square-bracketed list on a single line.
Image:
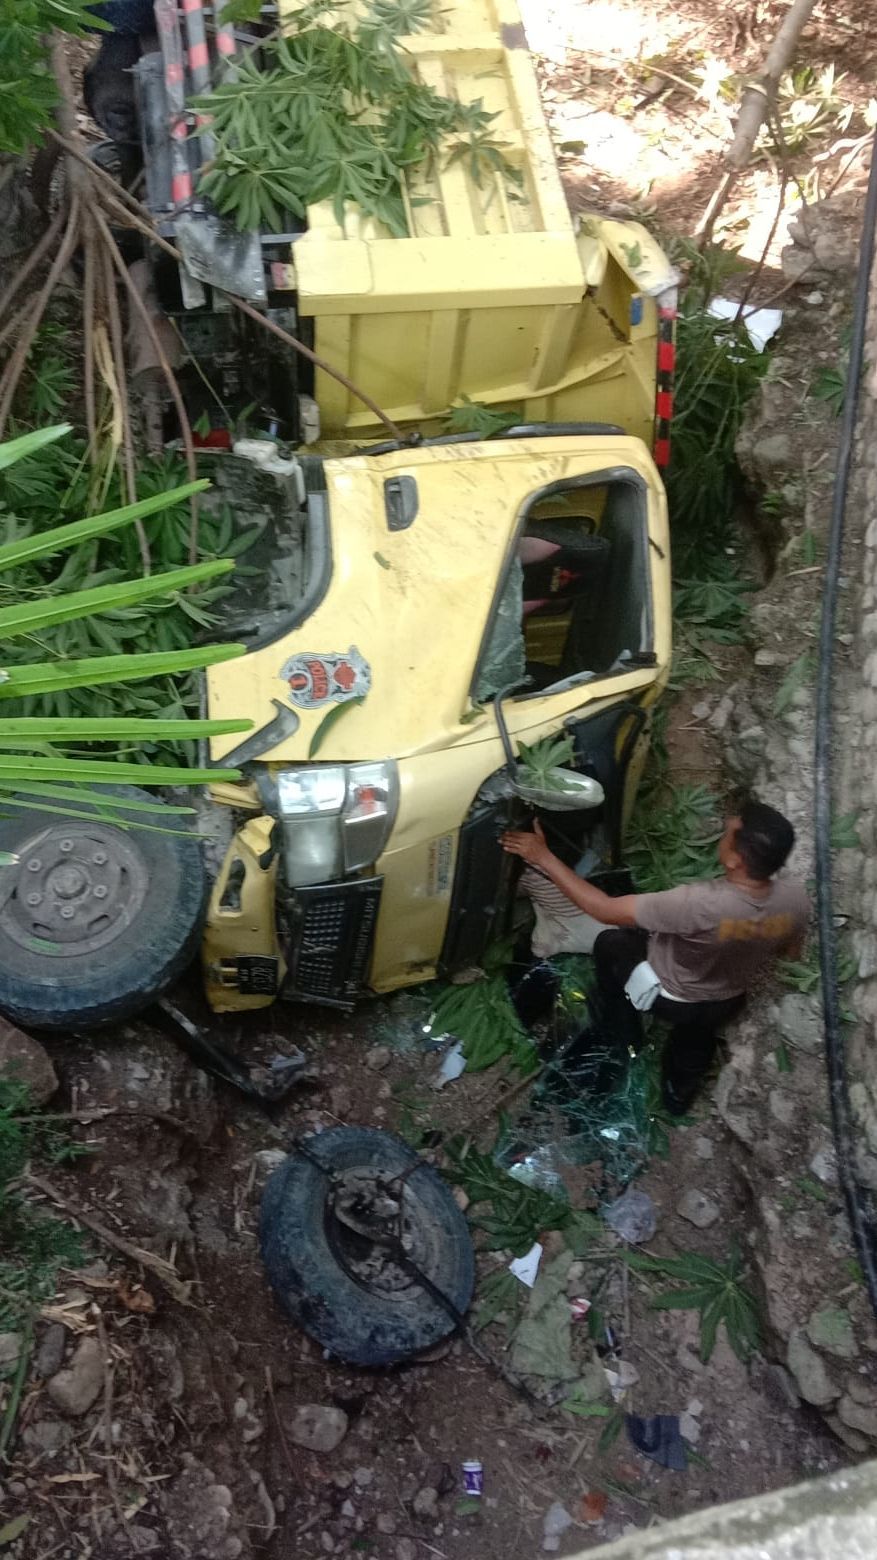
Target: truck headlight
[(336, 818)]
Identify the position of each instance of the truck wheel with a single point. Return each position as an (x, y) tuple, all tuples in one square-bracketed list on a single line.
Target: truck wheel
[(95, 921), (344, 1288)]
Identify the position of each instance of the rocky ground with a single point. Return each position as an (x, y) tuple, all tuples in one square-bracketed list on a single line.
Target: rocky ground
[(171, 1409)]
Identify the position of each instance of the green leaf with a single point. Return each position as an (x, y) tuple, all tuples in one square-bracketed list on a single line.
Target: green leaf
[(13, 450), (329, 720), (104, 729), (33, 616), (783, 1058), (584, 1410), (42, 543), (14, 1529), (50, 677), (15, 771)]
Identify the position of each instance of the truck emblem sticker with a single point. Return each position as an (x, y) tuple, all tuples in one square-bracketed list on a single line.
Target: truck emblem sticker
[(314, 680)]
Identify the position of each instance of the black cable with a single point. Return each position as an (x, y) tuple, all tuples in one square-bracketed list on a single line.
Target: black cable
[(859, 1201)]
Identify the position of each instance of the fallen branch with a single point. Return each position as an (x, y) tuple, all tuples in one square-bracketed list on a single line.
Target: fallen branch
[(164, 1271), (757, 103)]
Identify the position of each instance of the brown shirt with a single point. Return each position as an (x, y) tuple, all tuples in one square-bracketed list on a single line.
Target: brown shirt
[(709, 940)]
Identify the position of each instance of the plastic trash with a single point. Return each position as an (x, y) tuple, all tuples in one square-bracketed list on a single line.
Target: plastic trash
[(760, 324), (633, 1216), (659, 1439), (526, 1268), (453, 1064), (554, 1524)]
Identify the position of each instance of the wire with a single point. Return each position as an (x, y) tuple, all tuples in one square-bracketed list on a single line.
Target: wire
[(860, 1204)]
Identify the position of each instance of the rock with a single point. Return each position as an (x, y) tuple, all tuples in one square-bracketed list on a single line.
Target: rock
[(75, 1388), (689, 1428), (702, 710), (703, 1148), (50, 1354), (341, 1101), (386, 1522), (861, 1391), (782, 1107), (857, 1417), (47, 1436), (316, 1426), (824, 1166), (406, 1549), (10, 1349), (699, 1209), (554, 1524), (799, 1021), (832, 1330), (266, 1161), (461, 1198), (363, 1477), (378, 1058), (342, 1480), (25, 1061), (722, 713), (348, 1510), (766, 658), (633, 1216), (851, 1438), (808, 1368), (200, 1515), (425, 1503)]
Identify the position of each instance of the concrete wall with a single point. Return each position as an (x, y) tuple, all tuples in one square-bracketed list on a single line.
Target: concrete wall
[(830, 1519)]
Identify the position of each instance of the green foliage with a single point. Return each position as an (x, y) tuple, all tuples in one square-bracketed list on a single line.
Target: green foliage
[(804, 975), (500, 1294), (27, 88), (539, 761), (672, 836), (518, 1214), (89, 660), (481, 1014), (718, 369), (845, 832), (713, 608), (66, 612), (717, 1290), (809, 107), (332, 110), (330, 719), (830, 385), (472, 417), (33, 1247), (798, 675)]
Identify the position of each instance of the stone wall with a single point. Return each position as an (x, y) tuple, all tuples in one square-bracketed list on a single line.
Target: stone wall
[(858, 772), (772, 1094)]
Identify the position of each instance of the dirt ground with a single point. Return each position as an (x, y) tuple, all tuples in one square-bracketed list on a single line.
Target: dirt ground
[(187, 1450)]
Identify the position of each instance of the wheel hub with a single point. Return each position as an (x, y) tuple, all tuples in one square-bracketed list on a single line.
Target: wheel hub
[(374, 1227), (78, 885)]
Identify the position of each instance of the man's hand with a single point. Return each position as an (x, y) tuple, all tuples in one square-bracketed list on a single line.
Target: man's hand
[(530, 847)]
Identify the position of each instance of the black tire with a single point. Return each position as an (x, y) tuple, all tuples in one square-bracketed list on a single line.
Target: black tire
[(154, 891), (348, 1318)]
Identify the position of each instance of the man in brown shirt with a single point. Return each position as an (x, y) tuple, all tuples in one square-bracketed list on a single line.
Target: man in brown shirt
[(689, 954)]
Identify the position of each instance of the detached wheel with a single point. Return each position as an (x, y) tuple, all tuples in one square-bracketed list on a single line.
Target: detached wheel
[(95, 921), (328, 1231)]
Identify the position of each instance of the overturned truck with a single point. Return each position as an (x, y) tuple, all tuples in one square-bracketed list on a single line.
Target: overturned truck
[(408, 586)]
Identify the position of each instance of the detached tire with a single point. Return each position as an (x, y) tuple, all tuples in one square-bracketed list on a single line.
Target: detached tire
[(308, 1267), (95, 921)]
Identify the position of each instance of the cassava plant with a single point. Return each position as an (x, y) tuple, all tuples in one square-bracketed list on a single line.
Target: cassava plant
[(330, 109)]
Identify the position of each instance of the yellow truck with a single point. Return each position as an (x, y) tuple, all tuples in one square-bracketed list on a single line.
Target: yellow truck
[(415, 589)]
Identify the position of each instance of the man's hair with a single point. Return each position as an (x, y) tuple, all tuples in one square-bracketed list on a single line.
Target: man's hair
[(764, 839)]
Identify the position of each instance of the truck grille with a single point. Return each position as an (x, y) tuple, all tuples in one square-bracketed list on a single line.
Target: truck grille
[(332, 932)]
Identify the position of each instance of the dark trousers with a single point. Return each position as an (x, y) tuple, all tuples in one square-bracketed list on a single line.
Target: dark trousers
[(617, 1026)]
